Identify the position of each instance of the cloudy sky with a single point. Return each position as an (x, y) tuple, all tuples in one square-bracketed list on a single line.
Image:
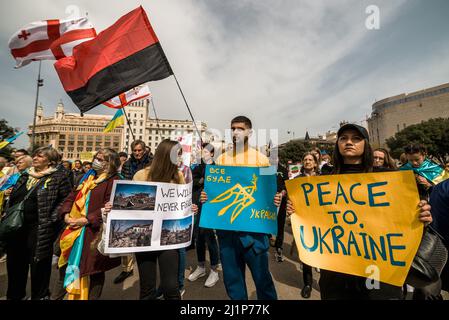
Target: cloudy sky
[(294, 65)]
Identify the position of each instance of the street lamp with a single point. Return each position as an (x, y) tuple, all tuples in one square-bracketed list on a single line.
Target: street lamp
[(40, 83)]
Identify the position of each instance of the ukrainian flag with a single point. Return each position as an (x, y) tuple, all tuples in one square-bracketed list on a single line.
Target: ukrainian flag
[(8, 141), (430, 170), (118, 120)]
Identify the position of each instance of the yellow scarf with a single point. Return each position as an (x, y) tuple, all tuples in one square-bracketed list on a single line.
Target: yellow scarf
[(34, 176), (78, 290)]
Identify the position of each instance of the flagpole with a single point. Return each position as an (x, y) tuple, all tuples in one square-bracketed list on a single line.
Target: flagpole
[(188, 108), (129, 125), (39, 84), (157, 119)]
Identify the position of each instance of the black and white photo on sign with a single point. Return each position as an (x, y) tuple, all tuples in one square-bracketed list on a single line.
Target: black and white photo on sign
[(149, 216)]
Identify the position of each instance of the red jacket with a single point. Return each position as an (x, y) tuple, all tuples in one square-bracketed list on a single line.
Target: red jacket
[(92, 261)]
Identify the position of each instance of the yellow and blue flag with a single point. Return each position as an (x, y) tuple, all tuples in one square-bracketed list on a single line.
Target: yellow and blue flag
[(430, 170), (4, 143), (117, 120)]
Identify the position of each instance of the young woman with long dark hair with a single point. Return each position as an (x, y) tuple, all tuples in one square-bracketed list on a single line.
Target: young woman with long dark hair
[(353, 154)]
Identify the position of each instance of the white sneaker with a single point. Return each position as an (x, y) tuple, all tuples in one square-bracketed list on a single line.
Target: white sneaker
[(198, 273), (212, 279)]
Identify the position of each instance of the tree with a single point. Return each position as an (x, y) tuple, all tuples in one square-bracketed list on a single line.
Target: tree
[(433, 134), (293, 150), (5, 133)]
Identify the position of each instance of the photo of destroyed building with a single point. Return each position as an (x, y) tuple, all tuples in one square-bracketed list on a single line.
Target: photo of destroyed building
[(176, 231), (134, 197), (130, 233)]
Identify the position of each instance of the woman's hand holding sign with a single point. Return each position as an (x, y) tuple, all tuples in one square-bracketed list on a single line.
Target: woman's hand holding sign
[(107, 207), (424, 215), (290, 208)]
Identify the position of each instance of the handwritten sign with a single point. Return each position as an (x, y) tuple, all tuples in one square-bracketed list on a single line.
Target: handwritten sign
[(149, 216), (350, 223), (240, 199)]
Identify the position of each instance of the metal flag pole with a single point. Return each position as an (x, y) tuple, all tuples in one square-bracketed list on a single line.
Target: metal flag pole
[(157, 119), (129, 125), (188, 108), (40, 83)]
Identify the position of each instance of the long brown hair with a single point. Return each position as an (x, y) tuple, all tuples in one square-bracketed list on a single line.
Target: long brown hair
[(388, 160), (164, 167)]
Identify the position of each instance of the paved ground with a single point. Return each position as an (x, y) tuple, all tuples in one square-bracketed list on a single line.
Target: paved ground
[(287, 276)]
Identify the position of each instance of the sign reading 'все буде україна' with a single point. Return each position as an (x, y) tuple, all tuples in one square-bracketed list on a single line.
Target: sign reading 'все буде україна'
[(240, 199), (347, 223)]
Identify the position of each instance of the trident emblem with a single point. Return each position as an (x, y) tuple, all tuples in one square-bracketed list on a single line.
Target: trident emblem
[(243, 197)]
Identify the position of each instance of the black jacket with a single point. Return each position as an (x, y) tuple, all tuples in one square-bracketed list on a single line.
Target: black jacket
[(198, 173), (132, 165), (51, 192)]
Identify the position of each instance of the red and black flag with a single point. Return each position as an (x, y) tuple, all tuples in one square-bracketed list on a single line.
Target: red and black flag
[(120, 58)]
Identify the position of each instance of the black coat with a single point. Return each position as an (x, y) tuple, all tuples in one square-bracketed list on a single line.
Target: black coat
[(51, 192), (132, 165)]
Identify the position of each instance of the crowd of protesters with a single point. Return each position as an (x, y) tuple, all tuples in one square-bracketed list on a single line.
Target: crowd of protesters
[(62, 198)]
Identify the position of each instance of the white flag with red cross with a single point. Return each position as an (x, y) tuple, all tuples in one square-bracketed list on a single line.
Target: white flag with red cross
[(49, 39), (124, 99)]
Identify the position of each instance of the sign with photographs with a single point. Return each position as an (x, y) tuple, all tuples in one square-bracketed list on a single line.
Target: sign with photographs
[(149, 216)]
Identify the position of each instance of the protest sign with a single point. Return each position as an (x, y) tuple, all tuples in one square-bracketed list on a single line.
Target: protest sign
[(360, 224), (86, 156), (240, 199), (294, 170), (149, 216)]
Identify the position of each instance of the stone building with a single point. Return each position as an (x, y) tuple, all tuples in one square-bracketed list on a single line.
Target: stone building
[(394, 114), (74, 135)]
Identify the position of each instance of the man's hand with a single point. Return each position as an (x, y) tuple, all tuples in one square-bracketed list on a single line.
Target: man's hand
[(203, 197), (278, 199)]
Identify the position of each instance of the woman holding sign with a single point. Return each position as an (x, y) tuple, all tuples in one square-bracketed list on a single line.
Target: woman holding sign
[(164, 168), (353, 154), (82, 209)]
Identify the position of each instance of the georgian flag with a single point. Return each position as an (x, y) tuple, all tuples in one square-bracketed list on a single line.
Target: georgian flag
[(186, 143), (124, 99), (49, 39)]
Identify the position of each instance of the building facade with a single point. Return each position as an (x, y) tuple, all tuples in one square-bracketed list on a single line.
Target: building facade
[(74, 136), (152, 131), (393, 114)]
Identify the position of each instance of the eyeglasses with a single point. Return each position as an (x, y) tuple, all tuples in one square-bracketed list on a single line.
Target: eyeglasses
[(101, 160)]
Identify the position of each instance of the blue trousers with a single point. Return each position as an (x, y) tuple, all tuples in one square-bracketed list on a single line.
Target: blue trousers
[(234, 258)]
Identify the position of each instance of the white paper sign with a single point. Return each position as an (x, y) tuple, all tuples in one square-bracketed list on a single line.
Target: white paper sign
[(149, 216)]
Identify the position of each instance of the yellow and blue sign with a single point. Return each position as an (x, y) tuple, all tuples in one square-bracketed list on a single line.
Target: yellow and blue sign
[(360, 224), (240, 199)]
